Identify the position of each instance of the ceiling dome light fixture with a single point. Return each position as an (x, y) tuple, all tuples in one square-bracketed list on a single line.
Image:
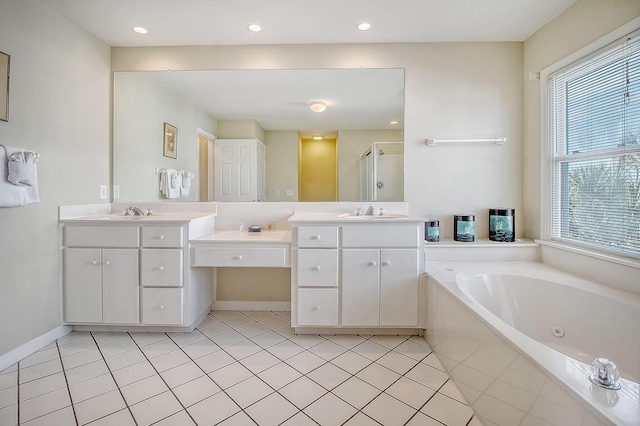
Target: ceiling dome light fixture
[(317, 138), (254, 28), (318, 106), (140, 30), (393, 122), (363, 26)]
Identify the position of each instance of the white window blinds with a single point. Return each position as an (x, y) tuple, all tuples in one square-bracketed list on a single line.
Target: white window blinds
[(594, 107)]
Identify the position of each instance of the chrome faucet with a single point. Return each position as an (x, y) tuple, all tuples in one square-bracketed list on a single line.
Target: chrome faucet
[(369, 211), (133, 210)]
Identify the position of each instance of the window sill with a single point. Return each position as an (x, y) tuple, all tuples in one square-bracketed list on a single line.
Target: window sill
[(624, 261)]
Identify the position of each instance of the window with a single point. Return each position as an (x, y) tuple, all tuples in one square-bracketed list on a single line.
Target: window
[(594, 137)]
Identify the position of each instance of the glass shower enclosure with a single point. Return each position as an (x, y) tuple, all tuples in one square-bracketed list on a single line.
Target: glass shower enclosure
[(382, 172)]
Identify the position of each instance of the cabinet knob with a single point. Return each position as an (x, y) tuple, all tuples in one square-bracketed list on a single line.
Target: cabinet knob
[(160, 268), (373, 263), (107, 263), (238, 257), (315, 268), (386, 263), (94, 262), (162, 307), (161, 237), (315, 237), (316, 308)]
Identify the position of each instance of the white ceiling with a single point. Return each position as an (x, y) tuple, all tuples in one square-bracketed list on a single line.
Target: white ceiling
[(282, 103), (224, 22)]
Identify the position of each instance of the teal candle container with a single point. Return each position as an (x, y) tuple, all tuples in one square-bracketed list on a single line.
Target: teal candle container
[(432, 231), (502, 225), (464, 227)]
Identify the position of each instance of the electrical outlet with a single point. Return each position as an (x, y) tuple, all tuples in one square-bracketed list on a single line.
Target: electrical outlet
[(116, 191), (289, 192), (277, 192), (103, 192)]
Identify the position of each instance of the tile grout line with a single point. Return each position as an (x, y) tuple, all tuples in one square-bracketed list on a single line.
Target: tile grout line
[(64, 372), (114, 381)]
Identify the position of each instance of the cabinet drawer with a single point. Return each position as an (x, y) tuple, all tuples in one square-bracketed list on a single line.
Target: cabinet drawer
[(317, 306), (162, 306), (161, 267), (161, 236), (317, 268), (101, 236), (311, 236), (275, 257), (381, 236)]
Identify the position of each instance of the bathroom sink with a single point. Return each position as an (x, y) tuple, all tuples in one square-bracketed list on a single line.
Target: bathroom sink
[(119, 217), (377, 217)]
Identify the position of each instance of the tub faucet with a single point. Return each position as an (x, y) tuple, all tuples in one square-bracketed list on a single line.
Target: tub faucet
[(369, 211)]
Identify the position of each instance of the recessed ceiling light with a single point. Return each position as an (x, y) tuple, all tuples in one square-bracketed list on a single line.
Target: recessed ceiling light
[(318, 106), (363, 26), (140, 30), (255, 28), (317, 138), (393, 122)]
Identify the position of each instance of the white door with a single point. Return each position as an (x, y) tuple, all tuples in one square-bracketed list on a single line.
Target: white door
[(399, 287), (236, 170), (261, 172), (360, 287)]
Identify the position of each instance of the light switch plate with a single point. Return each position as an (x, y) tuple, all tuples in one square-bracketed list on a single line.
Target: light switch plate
[(103, 192), (116, 191)]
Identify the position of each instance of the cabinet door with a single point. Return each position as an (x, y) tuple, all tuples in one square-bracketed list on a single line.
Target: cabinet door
[(360, 287), (162, 306), (318, 306), (83, 288), (399, 287), (161, 268), (120, 286)]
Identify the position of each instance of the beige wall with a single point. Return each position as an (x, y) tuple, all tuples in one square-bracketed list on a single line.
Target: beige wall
[(580, 25), (240, 129), (282, 164), (59, 107)]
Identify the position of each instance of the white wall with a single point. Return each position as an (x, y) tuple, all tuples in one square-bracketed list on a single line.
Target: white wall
[(453, 90), (580, 25), (141, 108), (59, 107)]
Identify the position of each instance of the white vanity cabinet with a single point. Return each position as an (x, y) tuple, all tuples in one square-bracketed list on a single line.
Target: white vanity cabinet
[(101, 275), (356, 274), (134, 273)]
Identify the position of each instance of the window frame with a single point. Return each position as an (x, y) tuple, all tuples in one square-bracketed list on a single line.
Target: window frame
[(548, 155)]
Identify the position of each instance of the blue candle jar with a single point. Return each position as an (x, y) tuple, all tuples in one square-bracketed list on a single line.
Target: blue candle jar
[(432, 231), (502, 225), (464, 227)]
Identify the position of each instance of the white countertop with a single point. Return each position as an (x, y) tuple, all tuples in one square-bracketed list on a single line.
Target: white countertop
[(352, 218), (230, 237), (121, 218)]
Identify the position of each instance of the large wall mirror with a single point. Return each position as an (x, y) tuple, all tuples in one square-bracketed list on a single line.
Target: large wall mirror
[(203, 108)]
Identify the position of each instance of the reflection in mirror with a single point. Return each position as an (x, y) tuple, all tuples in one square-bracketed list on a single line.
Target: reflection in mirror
[(363, 106)]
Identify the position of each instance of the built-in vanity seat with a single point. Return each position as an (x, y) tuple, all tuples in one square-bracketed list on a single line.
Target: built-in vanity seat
[(348, 273)]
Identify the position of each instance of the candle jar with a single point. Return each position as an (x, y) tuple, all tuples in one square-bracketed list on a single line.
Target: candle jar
[(464, 227), (502, 225), (432, 230)]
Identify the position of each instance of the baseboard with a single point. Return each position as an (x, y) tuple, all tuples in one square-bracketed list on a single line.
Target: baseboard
[(227, 305), (23, 351)]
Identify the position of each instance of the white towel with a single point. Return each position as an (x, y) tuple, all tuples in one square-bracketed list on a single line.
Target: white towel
[(186, 183), (169, 185), (18, 177)]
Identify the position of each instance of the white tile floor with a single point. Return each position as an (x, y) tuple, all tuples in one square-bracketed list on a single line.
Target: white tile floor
[(237, 368)]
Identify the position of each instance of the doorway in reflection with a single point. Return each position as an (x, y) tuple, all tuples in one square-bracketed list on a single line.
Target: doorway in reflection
[(318, 170)]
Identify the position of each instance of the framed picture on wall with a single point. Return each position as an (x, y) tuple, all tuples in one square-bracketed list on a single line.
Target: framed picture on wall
[(4, 86), (170, 141)]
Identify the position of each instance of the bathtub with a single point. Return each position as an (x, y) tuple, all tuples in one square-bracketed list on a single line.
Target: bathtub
[(518, 339)]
